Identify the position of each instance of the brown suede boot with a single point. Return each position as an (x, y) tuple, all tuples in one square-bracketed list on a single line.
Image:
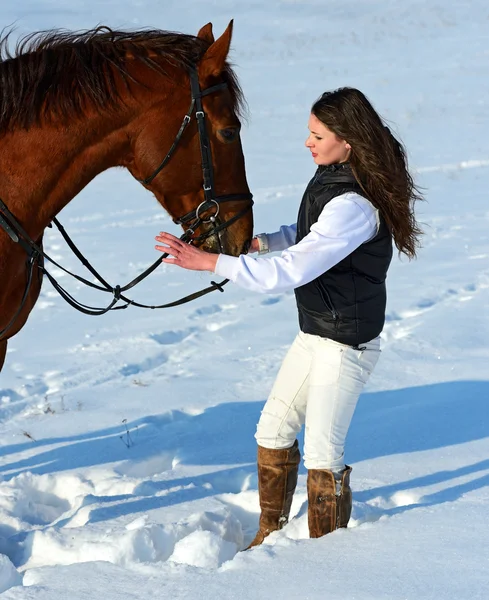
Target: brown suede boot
[(277, 479), (328, 508)]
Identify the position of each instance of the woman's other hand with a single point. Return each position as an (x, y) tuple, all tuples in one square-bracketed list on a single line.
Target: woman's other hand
[(184, 255), (254, 246)]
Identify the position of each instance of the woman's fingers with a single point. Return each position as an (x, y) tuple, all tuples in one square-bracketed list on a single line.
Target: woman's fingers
[(173, 245), (170, 240), (185, 255)]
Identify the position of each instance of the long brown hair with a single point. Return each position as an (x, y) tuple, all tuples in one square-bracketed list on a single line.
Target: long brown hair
[(378, 161)]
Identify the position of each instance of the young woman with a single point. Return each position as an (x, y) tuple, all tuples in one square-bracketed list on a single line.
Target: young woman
[(336, 258)]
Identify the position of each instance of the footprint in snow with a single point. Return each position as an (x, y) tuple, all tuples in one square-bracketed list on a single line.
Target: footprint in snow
[(271, 300), (8, 395), (206, 311), (167, 338), (146, 365)]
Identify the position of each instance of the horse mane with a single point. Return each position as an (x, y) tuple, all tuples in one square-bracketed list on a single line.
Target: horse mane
[(58, 74)]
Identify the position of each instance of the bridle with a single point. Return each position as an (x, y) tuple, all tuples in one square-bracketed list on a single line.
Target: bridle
[(192, 220), (210, 198)]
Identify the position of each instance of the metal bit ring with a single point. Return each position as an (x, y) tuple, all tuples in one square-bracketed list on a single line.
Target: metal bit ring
[(212, 218)]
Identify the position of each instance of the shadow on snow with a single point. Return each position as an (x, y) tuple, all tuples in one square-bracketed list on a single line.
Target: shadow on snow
[(386, 423)]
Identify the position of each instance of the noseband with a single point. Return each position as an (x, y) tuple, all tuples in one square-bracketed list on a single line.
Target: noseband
[(192, 221)]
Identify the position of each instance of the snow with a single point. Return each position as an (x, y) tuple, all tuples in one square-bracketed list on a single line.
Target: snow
[(126, 450)]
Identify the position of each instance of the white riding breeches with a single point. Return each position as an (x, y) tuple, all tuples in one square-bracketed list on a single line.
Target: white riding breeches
[(318, 385)]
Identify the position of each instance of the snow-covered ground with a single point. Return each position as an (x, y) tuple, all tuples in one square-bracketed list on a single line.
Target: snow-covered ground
[(126, 450)]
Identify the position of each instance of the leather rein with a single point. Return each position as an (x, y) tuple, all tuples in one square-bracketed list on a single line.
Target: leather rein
[(192, 220)]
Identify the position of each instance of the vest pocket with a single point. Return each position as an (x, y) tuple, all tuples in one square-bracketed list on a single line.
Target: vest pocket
[(326, 298)]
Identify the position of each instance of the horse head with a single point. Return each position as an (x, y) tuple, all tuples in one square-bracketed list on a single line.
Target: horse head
[(168, 149)]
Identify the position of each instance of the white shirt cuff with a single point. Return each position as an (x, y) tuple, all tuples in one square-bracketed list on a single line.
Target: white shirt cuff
[(227, 266)]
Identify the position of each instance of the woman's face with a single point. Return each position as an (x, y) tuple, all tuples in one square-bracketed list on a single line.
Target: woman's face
[(326, 148)]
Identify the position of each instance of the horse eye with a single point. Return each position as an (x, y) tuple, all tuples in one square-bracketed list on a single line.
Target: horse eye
[(229, 134)]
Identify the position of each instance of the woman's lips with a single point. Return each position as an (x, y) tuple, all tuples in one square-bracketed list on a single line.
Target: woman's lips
[(313, 154)]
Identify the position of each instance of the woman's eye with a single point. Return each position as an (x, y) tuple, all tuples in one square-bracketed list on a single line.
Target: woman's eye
[(318, 138), (229, 134)]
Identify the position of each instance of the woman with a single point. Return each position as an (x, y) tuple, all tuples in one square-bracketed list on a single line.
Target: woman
[(336, 258)]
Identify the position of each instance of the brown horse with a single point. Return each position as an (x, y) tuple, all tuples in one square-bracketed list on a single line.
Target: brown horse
[(74, 104)]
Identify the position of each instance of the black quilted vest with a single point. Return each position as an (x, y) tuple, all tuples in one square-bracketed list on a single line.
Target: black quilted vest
[(347, 302)]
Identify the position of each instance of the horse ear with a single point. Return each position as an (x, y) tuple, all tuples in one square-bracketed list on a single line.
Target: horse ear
[(212, 63), (206, 34)]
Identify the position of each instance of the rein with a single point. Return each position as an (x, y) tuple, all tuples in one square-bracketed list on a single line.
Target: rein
[(192, 220)]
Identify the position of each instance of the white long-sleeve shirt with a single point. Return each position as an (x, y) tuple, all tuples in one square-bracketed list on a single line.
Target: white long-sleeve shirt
[(345, 223)]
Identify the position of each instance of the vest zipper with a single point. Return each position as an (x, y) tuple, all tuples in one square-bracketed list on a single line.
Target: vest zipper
[(326, 298)]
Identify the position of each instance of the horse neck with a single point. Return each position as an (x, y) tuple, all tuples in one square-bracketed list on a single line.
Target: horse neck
[(44, 167)]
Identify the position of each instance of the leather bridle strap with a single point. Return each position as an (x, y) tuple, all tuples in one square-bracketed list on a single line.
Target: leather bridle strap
[(195, 103), (36, 254)]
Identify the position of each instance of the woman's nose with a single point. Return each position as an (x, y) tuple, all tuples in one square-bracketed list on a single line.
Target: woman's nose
[(308, 142)]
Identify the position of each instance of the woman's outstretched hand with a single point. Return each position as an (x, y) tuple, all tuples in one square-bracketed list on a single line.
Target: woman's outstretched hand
[(184, 255)]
